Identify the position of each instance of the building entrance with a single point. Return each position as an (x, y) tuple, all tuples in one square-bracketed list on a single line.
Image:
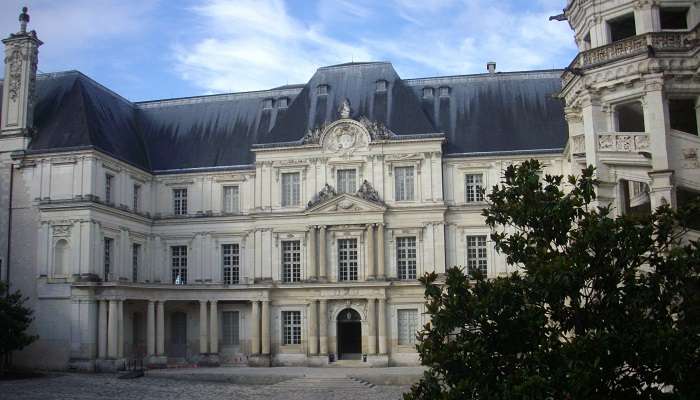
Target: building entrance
[(178, 340), (349, 335)]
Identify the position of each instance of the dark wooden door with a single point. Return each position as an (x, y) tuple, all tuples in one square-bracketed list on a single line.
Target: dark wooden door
[(178, 338), (349, 335)]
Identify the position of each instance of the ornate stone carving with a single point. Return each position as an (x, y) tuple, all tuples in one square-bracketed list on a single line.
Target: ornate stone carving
[(327, 193), (376, 129), (641, 142), (344, 138), (61, 230), (578, 144), (312, 136), (625, 143), (344, 109), (369, 193), (690, 158), (606, 142), (14, 62)]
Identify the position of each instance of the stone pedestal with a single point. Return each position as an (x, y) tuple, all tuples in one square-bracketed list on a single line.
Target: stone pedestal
[(259, 360), (320, 360)]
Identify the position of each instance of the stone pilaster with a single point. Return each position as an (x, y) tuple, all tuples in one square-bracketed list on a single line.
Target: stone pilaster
[(313, 328), (371, 326), (381, 272), (323, 326), (102, 330), (203, 334), (112, 329), (160, 328), (311, 263), (371, 271), (151, 328), (265, 347), (214, 327), (381, 321), (120, 327), (322, 259), (255, 328)]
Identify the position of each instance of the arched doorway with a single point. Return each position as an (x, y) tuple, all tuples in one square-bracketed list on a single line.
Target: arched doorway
[(178, 338), (349, 335)]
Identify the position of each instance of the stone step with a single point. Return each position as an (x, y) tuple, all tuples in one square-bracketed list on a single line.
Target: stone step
[(324, 384)]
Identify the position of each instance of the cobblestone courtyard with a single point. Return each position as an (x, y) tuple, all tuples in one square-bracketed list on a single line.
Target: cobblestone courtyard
[(220, 383)]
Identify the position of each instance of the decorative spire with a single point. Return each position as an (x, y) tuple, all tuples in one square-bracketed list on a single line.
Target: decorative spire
[(23, 20), (344, 109)]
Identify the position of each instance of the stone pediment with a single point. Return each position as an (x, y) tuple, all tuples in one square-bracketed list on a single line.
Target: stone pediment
[(345, 203)]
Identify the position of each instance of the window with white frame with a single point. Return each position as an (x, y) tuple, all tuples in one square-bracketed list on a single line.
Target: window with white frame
[(178, 257), (346, 181), (230, 328), (108, 257), (407, 326), (135, 258), (109, 188), (230, 199), (291, 261), (231, 261), (473, 185), (347, 259), (291, 327), (406, 257), (136, 201), (477, 259), (290, 189), (403, 178), (180, 201)]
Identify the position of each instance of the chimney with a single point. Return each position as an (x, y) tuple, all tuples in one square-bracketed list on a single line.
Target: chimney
[(491, 66), (18, 91)]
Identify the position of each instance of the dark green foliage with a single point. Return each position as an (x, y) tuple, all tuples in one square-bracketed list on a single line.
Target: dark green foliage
[(14, 322), (604, 308)]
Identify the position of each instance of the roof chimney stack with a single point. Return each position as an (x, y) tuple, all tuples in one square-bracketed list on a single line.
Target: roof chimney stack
[(491, 66)]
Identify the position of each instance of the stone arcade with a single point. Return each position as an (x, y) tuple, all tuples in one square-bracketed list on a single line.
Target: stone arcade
[(289, 226)]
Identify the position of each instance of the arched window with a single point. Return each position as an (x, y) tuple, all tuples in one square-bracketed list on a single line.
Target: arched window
[(61, 258)]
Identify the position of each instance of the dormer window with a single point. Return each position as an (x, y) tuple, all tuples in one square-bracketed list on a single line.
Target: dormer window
[(428, 92), (267, 104), (444, 91), (381, 85), (673, 18), (282, 102), (322, 90)]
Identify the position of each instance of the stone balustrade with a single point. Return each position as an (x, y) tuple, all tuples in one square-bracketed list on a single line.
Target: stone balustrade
[(630, 142)]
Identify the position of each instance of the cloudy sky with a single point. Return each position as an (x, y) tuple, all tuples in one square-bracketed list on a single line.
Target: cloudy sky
[(149, 49)]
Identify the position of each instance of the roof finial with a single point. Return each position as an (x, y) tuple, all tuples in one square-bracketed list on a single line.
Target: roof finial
[(23, 20), (344, 109)]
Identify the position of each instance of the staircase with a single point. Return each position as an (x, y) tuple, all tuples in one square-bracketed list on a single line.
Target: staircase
[(323, 385)]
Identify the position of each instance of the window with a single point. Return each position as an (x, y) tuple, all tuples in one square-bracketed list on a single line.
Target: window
[(347, 259), (476, 254), (673, 18), (61, 258), (230, 328), (135, 255), (622, 27), (290, 189), (473, 188), (403, 183), (180, 201), (231, 263), (230, 199), (109, 188), (444, 91), (108, 250), (322, 90), (408, 327), (381, 86), (635, 198), (291, 261), (683, 115), (137, 196), (406, 257), (267, 104), (630, 117), (346, 181), (282, 102), (428, 92), (291, 327), (179, 264)]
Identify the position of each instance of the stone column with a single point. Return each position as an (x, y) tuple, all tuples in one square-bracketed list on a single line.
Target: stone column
[(160, 328), (151, 328), (313, 328), (381, 274), (381, 321), (371, 326), (265, 327), (120, 327), (102, 330), (311, 267), (323, 326), (112, 329), (371, 274), (203, 337), (322, 254), (255, 329), (213, 328)]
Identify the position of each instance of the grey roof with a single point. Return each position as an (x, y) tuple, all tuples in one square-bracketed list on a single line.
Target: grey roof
[(485, 113)]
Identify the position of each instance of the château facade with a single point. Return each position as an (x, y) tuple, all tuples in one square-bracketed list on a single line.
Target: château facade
[(289, 226)]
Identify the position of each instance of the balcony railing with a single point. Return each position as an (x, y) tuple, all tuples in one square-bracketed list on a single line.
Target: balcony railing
[(629, 142)]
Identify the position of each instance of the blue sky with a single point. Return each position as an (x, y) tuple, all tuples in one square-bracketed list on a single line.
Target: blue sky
[(150, 49)]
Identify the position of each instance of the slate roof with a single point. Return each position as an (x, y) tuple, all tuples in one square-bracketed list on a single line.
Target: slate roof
[(502, 112)]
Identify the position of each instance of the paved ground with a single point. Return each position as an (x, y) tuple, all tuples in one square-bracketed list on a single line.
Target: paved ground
[(220, 383)]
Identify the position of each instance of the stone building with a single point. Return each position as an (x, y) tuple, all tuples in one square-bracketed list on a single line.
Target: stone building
[(288, 226)]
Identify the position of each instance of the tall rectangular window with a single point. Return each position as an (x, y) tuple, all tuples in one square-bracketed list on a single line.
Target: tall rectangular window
[(472, 188), (108, 254), (290, 189), (346, 182), (180, 201), (109, 188), (291, 327), (347, 259), (230, 199), (137, 198), (403, 183), (477, 259), (291, 261), (230, 259), (178, 257), (135, 258), (230, 328), (406, 257), (408, 327)]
